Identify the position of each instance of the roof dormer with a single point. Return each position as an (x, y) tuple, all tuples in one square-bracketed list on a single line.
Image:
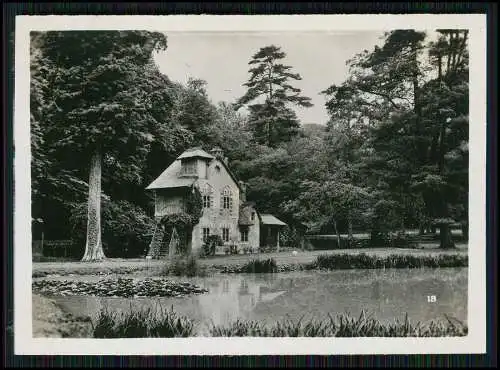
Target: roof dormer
[(189, 167)]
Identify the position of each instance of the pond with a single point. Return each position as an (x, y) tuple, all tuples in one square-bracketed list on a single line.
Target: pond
[(387, 294)]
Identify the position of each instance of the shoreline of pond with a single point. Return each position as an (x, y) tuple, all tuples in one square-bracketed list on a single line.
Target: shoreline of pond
[(50, 320), (257, 264), (386, 293)]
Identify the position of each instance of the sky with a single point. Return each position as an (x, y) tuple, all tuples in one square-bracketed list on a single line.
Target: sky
[(221, 59)]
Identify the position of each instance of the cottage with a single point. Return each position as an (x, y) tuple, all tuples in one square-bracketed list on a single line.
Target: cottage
[(225, 209)]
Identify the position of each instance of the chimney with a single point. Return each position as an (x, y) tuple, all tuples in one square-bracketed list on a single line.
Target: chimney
[(243, 193), (219, 154)]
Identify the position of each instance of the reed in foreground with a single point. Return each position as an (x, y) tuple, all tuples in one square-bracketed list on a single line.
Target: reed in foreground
[(148, 323), (343, 325), (145, 323)]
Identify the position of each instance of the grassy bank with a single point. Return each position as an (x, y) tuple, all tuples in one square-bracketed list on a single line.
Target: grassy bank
[(286, 261), (50, 321), (350, 261), (165, 323)]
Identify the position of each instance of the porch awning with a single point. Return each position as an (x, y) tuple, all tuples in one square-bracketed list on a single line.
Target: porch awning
[(271, 220)]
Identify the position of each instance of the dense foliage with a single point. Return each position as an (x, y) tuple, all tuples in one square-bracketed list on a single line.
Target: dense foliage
[(211, 242), (393, 155), (127, 229)]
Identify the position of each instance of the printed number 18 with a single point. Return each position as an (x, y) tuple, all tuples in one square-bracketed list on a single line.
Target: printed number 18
[(431, 298)]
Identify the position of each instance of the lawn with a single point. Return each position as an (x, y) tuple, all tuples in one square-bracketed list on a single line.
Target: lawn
[(117, 265)]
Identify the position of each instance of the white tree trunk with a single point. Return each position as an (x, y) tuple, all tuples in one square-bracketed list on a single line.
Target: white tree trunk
[(173, 244), (337, 233), (93, 247), (350, 235)]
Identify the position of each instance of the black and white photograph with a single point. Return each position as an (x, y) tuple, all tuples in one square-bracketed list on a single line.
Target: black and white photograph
[(226, 187)]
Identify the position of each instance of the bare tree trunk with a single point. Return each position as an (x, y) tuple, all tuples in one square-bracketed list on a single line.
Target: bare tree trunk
[(270, 71), (465, 230), (336, 232), (93, 247), (461, 50), (446, 240), (440, 66), (268, 133), (349, 229), (448, 60)]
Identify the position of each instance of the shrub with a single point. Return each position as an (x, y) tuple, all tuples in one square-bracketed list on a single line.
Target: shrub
[(210, 244), (364, 261), (184, 266), (126, 229), (266, 249), (192, 267), (401, 239), (259, 266), (290, 238)]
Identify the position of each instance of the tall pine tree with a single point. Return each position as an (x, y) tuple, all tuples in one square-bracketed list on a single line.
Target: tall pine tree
[(272, 95)]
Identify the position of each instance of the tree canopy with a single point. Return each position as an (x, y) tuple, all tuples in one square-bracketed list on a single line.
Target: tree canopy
[(270, 95), (392, 156)]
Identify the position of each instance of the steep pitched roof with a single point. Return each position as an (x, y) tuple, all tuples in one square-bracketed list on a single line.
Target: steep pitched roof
[(231, 174), (169, 178), (271, 220)]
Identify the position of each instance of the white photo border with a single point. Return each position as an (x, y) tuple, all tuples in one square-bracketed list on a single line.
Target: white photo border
[(473, 343)]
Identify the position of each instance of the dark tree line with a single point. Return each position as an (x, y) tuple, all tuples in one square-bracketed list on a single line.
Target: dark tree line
[(105, 122)]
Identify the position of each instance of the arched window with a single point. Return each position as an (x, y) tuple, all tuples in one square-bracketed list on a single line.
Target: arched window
[(226, 199), (207, 194)]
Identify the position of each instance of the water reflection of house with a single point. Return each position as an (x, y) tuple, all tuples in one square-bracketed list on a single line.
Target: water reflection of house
[(234, 297)]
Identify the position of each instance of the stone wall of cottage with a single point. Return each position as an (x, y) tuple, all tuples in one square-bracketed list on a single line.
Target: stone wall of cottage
[(253, 234), (215, 181)]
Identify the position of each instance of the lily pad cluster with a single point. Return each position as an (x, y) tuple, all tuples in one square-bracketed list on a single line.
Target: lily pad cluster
[(123, 287)]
